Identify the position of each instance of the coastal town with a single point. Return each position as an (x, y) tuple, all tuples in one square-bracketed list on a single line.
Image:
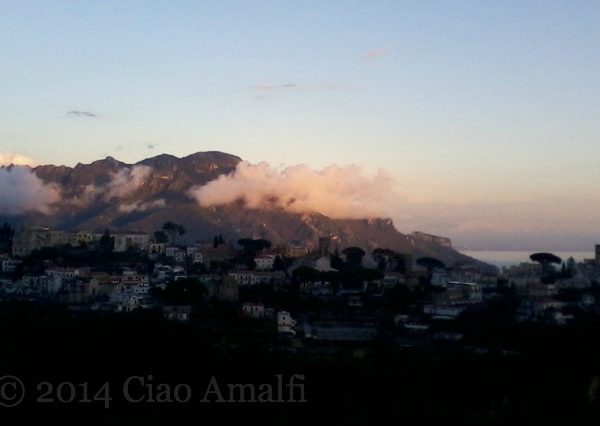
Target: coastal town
[(300, 294)]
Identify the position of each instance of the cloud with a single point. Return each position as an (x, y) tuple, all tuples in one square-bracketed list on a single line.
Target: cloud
[(337, 192), (265, 88), (21, 191), (151, 145), (78, 113), (376, 53), (126, 181), (121, 184), (14, 158), (138, 206), (271, 87)]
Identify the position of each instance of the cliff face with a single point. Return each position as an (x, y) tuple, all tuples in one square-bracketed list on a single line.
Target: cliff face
[(109, 194)]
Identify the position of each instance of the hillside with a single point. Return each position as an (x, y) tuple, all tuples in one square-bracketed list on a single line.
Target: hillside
[(109, 194)]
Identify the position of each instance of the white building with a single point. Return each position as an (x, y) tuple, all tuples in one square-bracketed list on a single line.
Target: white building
[(285, 323), (323, 264), (265, 263), (257, 277)]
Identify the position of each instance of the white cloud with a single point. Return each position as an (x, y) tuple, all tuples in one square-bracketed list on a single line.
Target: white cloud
[(21, 191), (337, 192), (14, 158)]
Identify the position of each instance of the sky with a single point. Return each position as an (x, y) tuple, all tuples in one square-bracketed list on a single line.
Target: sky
[(485, 112)]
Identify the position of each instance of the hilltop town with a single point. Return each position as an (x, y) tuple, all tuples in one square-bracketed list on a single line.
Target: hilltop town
[(299, 293)]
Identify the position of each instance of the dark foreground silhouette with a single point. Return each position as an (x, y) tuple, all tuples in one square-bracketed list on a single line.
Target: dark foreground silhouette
[(553, 374)]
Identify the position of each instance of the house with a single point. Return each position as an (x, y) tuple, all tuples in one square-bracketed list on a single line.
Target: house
[(257, 277), (265, 262), (224, 290), (471, 292), (221, 253), (176, 253), (345, 331), (65, 274), (29, 240), (6, 286), (444, 311), (296, 250), (317, 288), (323, 264), (285, 323), (254, 310), (439, 277), (81, 291), (391, 279), (180, 313), (134, 240), (10, 265), (82, 237), (156, 249)]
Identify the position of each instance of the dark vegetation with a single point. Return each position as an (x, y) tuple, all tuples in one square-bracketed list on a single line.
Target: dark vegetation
[(553, 374)]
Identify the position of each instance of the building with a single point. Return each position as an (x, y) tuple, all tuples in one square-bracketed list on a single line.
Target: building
[(254, 310), (325, 246), (137, 241), (177, 313), (157, 249), (10, 265), (296, 250), (257, 277), (285, 323), (344, 331), (323, 264), (225, 290), (221, 253), (29, 240), (443, 311), (265, 262)]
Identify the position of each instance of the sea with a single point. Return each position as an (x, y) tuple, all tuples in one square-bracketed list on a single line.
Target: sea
[(506, 258)]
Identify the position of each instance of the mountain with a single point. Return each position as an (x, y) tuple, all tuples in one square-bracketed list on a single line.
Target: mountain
[(109, 194)]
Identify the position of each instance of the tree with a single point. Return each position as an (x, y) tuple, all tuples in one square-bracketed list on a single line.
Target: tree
[(187, 291), (305, 274), (430, 263), (390, 260), (160, 237), (106, 242), (546, 260), (278, 264), (354, 255), (218, 240), (7, 232), (173, 229), (253, 247), (571, 266)]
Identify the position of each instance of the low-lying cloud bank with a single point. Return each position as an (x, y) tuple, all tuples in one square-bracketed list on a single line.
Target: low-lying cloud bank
[(14, 158), (21, 191), (121, 184), (340, 192)]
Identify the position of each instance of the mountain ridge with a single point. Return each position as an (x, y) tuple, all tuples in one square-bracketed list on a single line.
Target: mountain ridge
[(160, 195)]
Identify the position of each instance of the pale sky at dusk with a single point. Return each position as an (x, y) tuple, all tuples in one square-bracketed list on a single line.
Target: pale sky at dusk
[(487, 113)]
